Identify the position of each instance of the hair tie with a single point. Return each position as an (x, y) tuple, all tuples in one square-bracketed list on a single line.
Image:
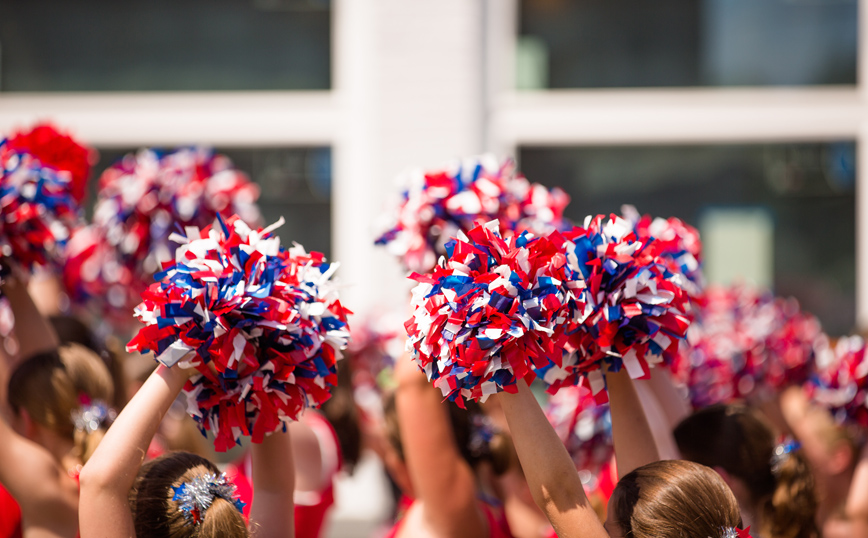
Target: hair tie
[(91, 415), (195, 497), (482, 431), (735, 532), (782, 452)]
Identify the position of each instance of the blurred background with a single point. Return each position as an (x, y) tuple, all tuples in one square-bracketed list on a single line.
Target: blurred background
[(745, 118)]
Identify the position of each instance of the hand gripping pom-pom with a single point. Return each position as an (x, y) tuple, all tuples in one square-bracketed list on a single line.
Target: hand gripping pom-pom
[(632, 310), (262, 325), (490, 313), (37, 209), (436, 205), (143, 198)]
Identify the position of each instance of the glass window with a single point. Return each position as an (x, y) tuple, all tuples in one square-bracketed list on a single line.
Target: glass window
[(164, 45), (795, 200), (295, 184), (635, 43)]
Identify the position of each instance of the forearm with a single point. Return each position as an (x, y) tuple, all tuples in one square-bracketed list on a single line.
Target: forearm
[(32, 330), (657, 420), (633, 439), (550, 472), (272, 513), (675, 407), (442, 480), (120, 454)]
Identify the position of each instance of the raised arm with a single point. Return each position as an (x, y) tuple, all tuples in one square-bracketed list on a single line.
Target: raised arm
[(631, 433), (272, 513), (442, 480), (856, 507), (33, 332), (658, 421), (109, 474), (550, 472)]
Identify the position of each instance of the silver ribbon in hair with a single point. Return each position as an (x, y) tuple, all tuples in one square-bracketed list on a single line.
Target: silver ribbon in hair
[(195, 497), (91, 416)]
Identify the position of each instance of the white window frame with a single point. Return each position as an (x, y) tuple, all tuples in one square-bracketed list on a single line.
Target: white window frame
[(678, 116), (343, 119)]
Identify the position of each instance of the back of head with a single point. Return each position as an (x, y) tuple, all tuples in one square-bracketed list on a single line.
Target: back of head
[(737, 440), (54, 387), (71, 330), (674, 499), (156, 514)]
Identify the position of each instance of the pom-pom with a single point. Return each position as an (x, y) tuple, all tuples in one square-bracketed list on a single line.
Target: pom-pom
[(378, 342), (59, 151), (676, 243), (632, 307), (585, 428), (436, 205), (748, 344), (143, 198), (37, 209), (841, 382), (491, 312), (262, 324)]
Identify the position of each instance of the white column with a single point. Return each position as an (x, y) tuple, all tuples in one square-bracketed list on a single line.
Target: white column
[(408, 78)]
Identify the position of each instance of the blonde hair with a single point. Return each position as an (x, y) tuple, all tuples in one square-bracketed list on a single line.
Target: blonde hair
[(157, 515), (52, 386)]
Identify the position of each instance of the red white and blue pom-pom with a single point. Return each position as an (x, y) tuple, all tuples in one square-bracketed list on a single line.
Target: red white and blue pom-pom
[(436, 205), (585, 428), (841, 382), (491, 312), (37, 209), (378, 342), (676, 242), (143, 198), (263, 325), (748, 344), (59, 152), (633, 309)]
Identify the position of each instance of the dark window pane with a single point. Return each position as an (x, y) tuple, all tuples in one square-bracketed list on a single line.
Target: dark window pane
[(636, 43), (295, 184), (805, 193), (196, 45)]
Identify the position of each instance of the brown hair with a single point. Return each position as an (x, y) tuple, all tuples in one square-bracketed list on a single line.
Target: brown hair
[(71, 330), (51, 386), (156, 515), (340, 410), (674, 498), (736, 439)]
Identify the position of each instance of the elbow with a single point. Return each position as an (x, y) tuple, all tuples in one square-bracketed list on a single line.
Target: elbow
[(96, 477)]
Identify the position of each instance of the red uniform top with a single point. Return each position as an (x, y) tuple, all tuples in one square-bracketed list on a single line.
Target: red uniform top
[(310, 506), (497, 524), (10, 515)]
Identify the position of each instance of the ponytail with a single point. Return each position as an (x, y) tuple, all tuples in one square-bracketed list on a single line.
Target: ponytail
[(778, 479), (65, 391), (789, 511), (90, 421)]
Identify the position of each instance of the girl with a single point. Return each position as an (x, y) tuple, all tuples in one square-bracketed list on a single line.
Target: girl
[(449, 468), (774, 490), (178, 495), (57, 402), (653, 498)]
